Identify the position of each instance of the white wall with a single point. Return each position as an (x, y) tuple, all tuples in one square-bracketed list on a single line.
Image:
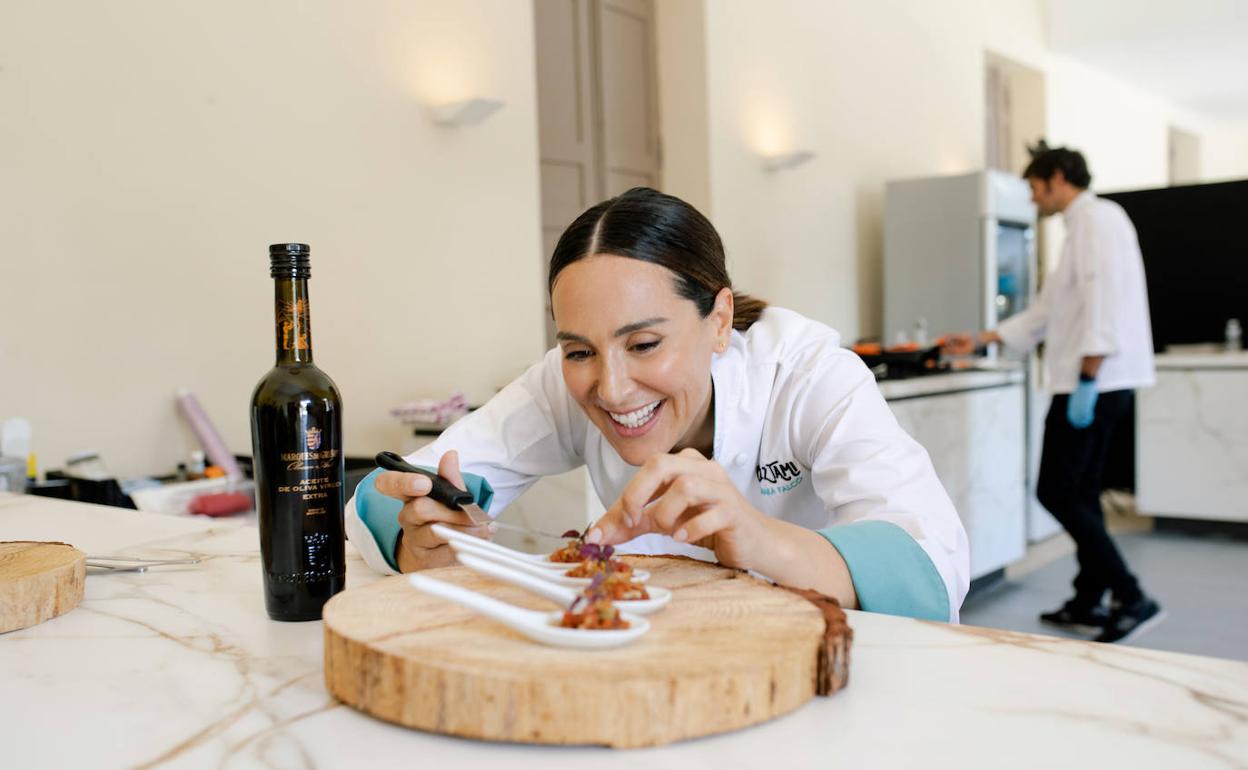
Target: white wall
[(150, 153), (888, 90), (683, 129), (1224, 151), (877, 91), (1121, 130), (1124, 133)]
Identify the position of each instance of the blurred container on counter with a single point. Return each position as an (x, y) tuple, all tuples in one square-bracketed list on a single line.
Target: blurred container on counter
[(1234, 336), (12, 474)]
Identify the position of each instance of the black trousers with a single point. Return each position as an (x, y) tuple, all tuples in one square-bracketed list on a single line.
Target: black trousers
[(1072, 463)]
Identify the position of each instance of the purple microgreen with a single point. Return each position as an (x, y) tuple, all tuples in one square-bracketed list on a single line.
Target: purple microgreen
[(595, 552), (572, 533)]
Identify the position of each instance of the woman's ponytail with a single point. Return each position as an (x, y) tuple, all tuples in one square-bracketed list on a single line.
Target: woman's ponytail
[(746, 310)]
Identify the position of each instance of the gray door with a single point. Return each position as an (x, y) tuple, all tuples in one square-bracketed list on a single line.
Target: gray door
[(597, 105), (630, 124)]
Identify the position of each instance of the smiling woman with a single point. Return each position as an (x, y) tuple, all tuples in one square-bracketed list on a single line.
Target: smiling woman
[(644, 383), (685, 401)]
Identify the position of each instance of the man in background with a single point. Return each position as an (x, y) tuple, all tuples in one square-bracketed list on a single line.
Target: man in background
[(1093, 315)]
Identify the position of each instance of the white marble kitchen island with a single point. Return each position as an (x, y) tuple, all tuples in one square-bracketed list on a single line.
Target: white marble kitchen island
[(180, 667), (1191, 437), (973, 425)]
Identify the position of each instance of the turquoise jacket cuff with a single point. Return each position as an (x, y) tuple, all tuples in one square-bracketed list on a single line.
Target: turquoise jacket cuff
[(892, 573), (380, 513)]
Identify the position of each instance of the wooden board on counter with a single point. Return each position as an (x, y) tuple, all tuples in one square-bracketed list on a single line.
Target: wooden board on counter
[(729, 651), (38, 581)]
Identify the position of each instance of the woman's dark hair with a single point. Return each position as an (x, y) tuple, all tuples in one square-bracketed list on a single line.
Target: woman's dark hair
[(663, 230), (1047, 161)]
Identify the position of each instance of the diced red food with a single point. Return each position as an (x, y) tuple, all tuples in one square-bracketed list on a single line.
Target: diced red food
[(619, 587), (597, 614), (568, 554), (591, 567)]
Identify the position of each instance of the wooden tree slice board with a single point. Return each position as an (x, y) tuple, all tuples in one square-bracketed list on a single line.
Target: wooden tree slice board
[(727, 652), (38, 581)]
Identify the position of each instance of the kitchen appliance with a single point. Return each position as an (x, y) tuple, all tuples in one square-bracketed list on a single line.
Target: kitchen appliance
[(959, 253)]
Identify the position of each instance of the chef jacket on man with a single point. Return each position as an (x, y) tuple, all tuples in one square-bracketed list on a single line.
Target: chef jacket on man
[(800, 427), (1094, 304)]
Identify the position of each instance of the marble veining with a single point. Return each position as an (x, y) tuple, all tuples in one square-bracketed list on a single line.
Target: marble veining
[(1192, 444), (976, 441), (180, 667)]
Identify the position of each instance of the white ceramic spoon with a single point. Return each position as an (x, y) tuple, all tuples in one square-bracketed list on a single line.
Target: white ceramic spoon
[(539, 626), (561, 595), (542, 560), (554, 576)]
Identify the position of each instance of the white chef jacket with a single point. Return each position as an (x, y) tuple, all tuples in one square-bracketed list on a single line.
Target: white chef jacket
[(1094, 304), (800, 427)]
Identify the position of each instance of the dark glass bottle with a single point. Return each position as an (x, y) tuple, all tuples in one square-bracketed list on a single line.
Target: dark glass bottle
[(296, 437)]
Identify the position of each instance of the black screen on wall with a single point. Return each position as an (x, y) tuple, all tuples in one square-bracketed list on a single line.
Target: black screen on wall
[(1194, 240)]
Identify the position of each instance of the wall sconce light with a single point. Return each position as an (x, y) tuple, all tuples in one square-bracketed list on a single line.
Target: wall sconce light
[(468, 112), (772, 163)]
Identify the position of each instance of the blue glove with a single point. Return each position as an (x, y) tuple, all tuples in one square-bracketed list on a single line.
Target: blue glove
[(1082, 404)]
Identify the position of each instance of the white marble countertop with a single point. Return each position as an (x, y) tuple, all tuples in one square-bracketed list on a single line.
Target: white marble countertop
[(180, 667), (1201, 357), (951, 382)]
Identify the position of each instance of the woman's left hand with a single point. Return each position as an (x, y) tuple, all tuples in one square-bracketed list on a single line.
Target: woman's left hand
[(692, 499)]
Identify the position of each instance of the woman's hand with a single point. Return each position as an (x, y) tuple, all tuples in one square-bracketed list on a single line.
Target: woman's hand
[(692, 499), (418, 548)]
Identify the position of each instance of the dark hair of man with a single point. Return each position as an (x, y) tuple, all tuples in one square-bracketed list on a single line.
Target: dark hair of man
[(1047, 161), (663, 230)]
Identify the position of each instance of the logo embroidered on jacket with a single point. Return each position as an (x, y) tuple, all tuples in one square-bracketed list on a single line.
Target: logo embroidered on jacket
[(781, 476)]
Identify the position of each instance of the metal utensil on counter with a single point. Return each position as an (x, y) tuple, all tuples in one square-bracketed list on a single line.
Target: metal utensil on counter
[(130, 564), (452, 496)]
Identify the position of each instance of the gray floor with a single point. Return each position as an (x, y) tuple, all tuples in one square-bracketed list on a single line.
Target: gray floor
[(1201, 581)]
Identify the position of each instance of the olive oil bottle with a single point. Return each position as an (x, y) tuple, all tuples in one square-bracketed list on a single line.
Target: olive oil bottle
[(296, 437)]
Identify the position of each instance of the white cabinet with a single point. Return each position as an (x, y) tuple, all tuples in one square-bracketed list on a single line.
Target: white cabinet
[(976, 439), (1191, 439)]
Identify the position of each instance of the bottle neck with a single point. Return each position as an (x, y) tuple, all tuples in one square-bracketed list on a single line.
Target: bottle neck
[(293, 327)]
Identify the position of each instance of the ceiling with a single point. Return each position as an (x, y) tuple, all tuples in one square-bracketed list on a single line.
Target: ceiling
[(1192, 53)]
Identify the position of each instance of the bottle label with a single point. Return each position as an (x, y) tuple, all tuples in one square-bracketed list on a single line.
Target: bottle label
[(294, 322), (312, 488)]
